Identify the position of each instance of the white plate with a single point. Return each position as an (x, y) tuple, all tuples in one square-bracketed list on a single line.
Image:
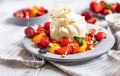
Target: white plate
[(100, 48)]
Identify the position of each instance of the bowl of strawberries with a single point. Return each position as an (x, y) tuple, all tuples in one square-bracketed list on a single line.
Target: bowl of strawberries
[(38, 42), (102, 8), (31, 16)]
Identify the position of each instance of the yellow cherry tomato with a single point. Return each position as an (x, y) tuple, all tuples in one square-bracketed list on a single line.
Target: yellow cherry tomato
[(33, 12), (38, 37), (53, 47), (83, 47)]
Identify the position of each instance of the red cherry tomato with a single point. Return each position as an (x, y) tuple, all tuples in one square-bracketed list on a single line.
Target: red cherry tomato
[(100, 35), (64, 41)]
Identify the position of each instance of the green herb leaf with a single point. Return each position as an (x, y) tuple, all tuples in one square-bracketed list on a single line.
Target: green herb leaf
[(80, 40)]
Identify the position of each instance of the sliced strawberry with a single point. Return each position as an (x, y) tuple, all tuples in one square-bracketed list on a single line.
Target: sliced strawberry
[(19, 14), (107, 11), (87, 15), (118, 8), (64, 41), (43, 43), (98, 8), (91, 20), (75, 47), (114, 6), (92, 5), (47, 25), (64, 50)]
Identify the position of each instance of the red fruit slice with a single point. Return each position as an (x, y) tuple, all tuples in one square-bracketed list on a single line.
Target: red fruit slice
[(114, 6), (118, 8), (40, 28), (75, 47), (98, 8), (100, 35), (107, 11), (64, 50), (92, 4), (43, 43), (29, 32), (19, 14), (90, 46), (48, 32), (91, 20), (87, 15), (47, 25), (64, 41)]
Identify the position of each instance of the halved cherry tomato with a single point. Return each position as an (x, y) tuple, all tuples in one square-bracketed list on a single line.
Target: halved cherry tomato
[(64, 41), (52, 47), (100, 35)]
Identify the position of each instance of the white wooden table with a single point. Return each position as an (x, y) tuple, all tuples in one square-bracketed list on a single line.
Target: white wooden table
[(7, 7)]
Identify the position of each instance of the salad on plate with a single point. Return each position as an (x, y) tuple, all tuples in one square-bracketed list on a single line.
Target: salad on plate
[(65, 34)]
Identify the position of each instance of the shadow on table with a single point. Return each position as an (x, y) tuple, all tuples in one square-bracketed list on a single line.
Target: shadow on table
[(13, 64), (13, 21)]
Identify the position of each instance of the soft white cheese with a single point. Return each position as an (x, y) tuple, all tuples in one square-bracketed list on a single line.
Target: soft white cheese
[(66, 23)]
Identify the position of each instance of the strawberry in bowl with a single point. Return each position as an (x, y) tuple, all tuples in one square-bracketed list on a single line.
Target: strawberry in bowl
[(31, 16), (102, 8)]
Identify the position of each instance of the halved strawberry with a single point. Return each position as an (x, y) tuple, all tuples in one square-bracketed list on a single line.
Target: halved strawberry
[(87, 15), (64, 50), (43, 43), (114, 6), (91, 20), (107, 11), (98, 8), (92, 4), (47, 25), (64, 41), (75, 47), (118, 8)]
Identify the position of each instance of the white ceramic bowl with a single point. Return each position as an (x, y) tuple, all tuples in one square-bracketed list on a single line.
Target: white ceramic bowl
[(113, 19)]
